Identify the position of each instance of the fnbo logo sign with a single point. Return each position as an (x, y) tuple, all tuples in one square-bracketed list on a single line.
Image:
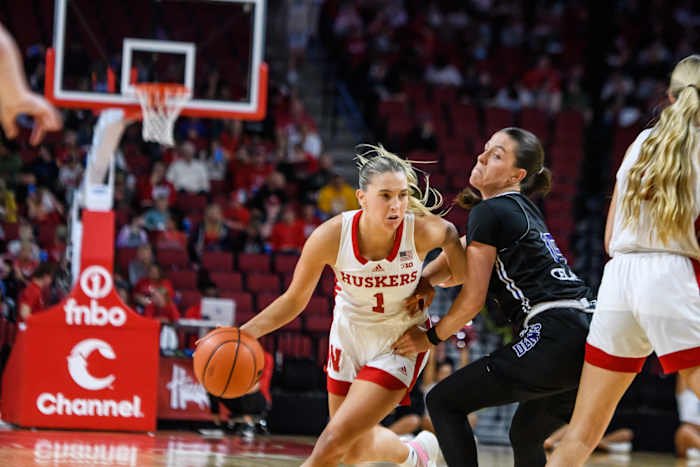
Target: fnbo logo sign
[(96, 283)]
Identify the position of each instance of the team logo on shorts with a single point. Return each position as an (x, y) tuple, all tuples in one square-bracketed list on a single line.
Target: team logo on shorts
[(529, 337)]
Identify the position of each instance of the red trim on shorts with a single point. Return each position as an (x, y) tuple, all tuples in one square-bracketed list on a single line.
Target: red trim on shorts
[(696, 268), (339, 388), (416, 371), (356, 244), (680, 360), (601, 359), (380, 377)]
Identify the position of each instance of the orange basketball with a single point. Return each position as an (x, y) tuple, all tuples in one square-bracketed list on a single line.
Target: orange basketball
[(228, 362)]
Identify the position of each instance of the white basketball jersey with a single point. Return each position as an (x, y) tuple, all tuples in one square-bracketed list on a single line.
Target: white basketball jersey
[(642, 236), (373, 291)]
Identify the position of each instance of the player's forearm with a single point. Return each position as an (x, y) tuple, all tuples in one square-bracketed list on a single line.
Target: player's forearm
[(465, 307), (277, 314), (11, 68)]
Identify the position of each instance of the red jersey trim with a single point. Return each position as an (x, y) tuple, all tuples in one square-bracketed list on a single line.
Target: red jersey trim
[(601, 359), (680, 360), (356, 244)]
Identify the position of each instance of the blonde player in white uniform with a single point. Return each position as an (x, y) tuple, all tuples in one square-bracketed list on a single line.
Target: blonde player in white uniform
[(649, 298), (377, 254)]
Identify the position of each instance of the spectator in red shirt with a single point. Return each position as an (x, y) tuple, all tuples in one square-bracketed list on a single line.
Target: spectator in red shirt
[(171, 237), (309, 219), (231, 136), (143, 290), (211, 235), (155, 186), (253, 175), (31, 299), (25, 263), (288, 234), (235, 213), (161, 307)]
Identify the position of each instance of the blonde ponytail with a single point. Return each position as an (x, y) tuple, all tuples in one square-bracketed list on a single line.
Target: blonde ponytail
[(665, 174), (377, 160)]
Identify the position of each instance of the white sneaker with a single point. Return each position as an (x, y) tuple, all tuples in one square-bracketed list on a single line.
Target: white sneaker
[(692, 453), (428, 449), (619, 448)]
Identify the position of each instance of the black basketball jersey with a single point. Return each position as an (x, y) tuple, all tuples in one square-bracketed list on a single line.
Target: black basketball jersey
[(529, 267)]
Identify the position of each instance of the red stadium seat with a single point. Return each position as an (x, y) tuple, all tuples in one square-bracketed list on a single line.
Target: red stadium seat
[(244, 301), (326, 285), (295, 344), (189, 298), (390, 108), (497, 119), (537, 122), (317, 306), (243, 317), (11, 230), (293, 325), (170, 258), (47, 234), (318, 323), (187, 202), (322, 356), (285, 262), (263, 299), (230, 281), (183, 279), (261, 282), (217, 261), (286, 279), (124, 256), (250, 262)]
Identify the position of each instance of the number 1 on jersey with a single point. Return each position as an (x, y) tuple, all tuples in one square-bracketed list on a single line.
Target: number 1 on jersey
[(380, 303)]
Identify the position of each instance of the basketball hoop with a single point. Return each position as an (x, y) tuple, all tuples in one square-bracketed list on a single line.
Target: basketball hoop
[(161, 104)]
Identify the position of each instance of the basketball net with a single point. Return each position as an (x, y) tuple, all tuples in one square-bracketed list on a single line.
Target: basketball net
[(161, 104)]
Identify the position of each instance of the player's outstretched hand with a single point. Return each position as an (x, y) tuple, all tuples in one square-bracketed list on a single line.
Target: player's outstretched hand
[(422, 297), (412, 342), (46, 118)]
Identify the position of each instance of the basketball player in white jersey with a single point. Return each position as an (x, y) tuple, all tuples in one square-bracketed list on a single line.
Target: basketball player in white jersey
[(16, 97), (649, 298), (377, 254)]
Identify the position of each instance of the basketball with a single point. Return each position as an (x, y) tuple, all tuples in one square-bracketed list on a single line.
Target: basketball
[(228, 362)]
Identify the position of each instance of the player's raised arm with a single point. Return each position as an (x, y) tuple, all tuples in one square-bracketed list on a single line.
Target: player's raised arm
[(320, 249), (16, 97)]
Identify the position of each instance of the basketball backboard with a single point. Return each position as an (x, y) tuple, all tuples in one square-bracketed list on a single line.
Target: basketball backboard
[(214, 47)]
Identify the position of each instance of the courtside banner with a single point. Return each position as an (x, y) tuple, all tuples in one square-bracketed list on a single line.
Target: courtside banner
[(180, 396), (90, 361)]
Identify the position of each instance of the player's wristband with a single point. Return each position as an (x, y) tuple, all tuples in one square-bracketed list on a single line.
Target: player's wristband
[(432, 336)]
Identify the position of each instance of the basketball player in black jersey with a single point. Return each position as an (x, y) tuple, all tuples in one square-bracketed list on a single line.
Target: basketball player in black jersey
[(513, 259)]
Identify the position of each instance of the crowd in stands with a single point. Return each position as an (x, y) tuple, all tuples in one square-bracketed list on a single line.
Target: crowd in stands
[(227, 190)]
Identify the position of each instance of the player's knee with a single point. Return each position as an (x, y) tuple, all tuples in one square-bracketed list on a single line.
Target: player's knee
[(434, 401)]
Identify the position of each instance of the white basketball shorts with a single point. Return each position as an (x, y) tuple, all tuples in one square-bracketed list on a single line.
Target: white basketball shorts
[(365, 352), (647, 302)]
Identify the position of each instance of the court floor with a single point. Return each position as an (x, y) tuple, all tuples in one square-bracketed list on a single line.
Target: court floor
[(20, 448)]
